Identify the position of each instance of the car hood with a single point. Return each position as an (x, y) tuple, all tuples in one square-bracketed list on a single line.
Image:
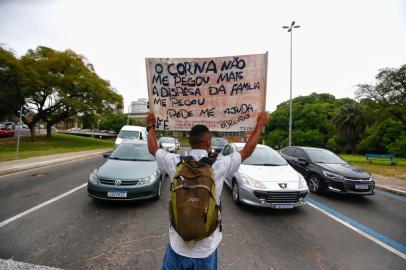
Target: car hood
[(345, 170), (125, 169), (270, 173)]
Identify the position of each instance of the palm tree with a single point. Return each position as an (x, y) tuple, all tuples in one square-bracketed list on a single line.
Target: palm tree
[(350, 123)]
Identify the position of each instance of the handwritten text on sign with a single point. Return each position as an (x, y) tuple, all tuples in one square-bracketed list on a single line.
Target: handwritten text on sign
[(223, 93)]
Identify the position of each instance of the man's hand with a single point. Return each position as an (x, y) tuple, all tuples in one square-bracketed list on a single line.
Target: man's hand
[(152, 140), (249, 147), (151, 119)]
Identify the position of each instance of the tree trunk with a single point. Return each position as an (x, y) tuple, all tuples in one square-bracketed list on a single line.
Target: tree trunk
[(49, 131), (32, 132)]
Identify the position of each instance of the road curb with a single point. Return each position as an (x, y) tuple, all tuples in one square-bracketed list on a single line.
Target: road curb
[(40, 164), (391, 190)]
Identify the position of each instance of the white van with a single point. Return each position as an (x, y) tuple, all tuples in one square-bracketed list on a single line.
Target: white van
[(131, 133)]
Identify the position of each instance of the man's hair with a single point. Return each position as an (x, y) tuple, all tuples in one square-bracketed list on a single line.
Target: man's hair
[(197, 135)]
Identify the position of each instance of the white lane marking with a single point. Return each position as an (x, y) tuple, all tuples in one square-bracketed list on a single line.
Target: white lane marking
[(10, 264), (370, 237), (39, 206)]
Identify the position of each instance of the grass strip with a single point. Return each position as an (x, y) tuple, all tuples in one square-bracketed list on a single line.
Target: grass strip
[(43, 146)]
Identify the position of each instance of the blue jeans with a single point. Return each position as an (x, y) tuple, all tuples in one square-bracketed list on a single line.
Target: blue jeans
[(174, 261)]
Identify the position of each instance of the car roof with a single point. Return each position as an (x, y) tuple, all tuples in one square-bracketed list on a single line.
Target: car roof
[(133, 128), (219, 138), (309, 147), (134, 142)]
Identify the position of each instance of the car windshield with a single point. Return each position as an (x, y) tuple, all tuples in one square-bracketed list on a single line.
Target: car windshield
[(167, 140), (264, 156), (129, 134), (218, 141), (132, 151), (324, 156)]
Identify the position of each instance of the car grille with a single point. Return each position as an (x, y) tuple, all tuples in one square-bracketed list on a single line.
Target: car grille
[(278, 197), (350, 186), (112, 182), (357, 179)]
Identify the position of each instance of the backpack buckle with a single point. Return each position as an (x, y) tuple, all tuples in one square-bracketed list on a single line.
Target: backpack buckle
[(184, 183)]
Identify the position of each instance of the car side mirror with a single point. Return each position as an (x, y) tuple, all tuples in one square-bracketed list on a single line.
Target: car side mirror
[(106, 155), (302, 160)]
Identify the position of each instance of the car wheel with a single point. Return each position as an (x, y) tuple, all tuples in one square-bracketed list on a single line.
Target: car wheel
[(236, 193), (315, 185), (158, 196)]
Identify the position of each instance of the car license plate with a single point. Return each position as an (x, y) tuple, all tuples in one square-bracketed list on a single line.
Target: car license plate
[(283, 205), (117, 194), (361, 186)]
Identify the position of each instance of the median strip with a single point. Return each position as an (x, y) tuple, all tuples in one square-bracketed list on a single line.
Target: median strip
[(10, 264)]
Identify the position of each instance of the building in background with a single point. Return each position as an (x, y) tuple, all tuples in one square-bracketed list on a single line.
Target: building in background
[(138, 109)]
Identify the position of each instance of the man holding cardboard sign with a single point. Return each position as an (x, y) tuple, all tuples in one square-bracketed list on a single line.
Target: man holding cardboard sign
[(199, 253), (200, 94)]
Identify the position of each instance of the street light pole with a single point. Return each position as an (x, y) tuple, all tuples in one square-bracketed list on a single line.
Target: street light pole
[(128, 114), (19, 131), (290, 29)]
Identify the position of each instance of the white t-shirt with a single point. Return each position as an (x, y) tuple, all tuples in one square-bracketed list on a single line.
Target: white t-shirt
[(223, 167)]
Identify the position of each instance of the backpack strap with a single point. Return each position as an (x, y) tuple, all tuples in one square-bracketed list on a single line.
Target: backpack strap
[(184, 158), (208, 160)]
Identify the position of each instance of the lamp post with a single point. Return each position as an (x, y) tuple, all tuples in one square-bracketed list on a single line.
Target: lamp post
[(290, 29), (20, 126), (128, 114)]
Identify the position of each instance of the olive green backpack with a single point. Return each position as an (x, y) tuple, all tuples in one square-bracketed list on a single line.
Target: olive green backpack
[(193, 211)]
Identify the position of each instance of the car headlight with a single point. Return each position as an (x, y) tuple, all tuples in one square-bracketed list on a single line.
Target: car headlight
[(93, 177), (302, 182), (252, 182), (149, 179), (333, 175)]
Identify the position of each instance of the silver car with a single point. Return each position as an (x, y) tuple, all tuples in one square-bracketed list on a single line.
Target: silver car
[(265, 179), (168, 144), (129, 173)]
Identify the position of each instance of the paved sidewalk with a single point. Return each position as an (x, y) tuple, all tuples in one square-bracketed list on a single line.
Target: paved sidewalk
[(391, 184), (8, 167)]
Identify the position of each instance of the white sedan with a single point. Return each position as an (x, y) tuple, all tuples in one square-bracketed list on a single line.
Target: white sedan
[(265, 179)]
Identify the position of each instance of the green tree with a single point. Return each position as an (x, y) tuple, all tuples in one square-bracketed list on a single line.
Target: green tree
[(312, 124), (384, 137), (389, 92), (117, 121), (350, 123), (64, 84), (13, 83), (113, 122)]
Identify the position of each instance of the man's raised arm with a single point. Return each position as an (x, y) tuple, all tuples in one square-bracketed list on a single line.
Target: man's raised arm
[(253, 140), (152, 140)]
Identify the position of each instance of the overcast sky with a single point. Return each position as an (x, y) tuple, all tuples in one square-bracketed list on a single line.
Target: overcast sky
[(340, 43)]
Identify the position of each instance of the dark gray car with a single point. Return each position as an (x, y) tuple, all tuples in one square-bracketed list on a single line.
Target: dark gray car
[(324, 170), (129, 173)]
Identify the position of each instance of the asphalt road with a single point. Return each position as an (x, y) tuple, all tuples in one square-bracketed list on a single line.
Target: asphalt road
[(76, 232)]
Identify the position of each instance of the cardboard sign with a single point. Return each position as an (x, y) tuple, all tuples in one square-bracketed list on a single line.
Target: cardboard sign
[(223, 93)]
